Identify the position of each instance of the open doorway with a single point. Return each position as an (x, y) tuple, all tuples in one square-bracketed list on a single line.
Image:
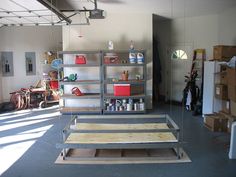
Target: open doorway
[(171, 62), (161, 34)]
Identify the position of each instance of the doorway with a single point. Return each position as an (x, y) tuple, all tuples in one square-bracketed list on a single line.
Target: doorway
[(177, 67)]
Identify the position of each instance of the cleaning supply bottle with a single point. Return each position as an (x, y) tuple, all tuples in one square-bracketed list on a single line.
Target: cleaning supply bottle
[(132, 55)]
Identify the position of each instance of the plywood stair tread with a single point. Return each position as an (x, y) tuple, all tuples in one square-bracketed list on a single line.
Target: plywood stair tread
[(143, 126), (116, 138)]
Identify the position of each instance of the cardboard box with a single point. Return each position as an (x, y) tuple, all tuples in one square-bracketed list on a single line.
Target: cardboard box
[(230, 118), (231, 76), (216, 123), (232, 92), (230, 122), (223, 52), (226, 106), (121, 89), (50, 56), (223, 78), (137, 89), (232, 108), (221, 91)]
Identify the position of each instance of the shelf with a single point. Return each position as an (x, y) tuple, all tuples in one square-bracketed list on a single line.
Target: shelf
[(123, 112), (119, 97), (80, 65), (76, 111), (125, 64), (79, 52), (123, 51), (95, 60), (80, 82), (85, 96), (109, 81)]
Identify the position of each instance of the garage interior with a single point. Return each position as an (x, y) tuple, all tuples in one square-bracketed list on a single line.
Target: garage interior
[(118, 88)]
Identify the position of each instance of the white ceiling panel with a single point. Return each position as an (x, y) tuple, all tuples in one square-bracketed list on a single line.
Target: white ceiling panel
[(28, 4), (166, 8)]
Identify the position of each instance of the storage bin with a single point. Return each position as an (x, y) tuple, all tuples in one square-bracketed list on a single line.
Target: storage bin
[(121, 89)]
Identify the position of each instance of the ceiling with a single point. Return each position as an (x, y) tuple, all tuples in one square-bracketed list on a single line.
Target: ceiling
[(18, 12), (31, 12), (166, 8)]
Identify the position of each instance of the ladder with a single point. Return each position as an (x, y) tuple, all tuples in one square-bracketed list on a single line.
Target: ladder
[(199, 56), (193, 91)]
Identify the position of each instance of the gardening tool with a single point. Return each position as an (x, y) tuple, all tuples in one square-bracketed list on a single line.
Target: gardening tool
[(71, 77), (76, 91)]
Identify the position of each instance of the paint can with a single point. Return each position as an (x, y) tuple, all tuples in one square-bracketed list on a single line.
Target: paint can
[(129, 107), (136, 106)]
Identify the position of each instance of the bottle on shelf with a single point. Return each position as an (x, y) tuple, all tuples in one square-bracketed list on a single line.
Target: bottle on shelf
[(132, 55)]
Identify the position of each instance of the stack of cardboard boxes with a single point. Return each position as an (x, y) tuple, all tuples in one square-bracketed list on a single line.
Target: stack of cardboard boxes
[(225, 90)]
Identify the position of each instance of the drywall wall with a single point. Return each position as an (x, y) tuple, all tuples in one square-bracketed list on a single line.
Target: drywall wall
[(227, 26), (26, 39), (119, 28), (188, 34)]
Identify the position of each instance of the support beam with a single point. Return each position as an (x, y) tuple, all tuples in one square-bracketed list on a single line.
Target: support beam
[(55, 10)]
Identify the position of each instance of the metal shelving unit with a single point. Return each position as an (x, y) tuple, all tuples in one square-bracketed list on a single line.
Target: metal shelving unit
[(95, 59), (73, 104), (108, 81)]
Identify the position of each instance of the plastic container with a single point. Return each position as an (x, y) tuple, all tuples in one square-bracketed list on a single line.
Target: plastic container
[(140, 58), (121, 89), (132, 58)]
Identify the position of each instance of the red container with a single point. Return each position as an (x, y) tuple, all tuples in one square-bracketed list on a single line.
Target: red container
[(53, 84), (121, 89), (80, 59)]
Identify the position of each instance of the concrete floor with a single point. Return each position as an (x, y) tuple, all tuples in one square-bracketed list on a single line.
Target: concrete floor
[(28, 139)]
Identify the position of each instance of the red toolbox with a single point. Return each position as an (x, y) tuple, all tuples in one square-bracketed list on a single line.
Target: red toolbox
[(80, 59), (121, 89)]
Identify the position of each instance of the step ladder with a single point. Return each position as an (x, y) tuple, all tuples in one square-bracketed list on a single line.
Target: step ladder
[(199, 56), (193, 91)]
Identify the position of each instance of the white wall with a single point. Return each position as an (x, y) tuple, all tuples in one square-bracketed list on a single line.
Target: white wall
[(121, 29), (227, 26), (26, 39), (189, 33)]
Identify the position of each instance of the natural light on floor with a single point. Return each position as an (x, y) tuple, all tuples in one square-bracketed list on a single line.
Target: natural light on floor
[(21, 132)]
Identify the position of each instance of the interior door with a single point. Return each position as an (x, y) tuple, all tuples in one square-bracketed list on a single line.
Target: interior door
[(179, 65)]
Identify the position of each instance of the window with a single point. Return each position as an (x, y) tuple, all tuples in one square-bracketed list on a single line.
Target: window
[(179, 54)]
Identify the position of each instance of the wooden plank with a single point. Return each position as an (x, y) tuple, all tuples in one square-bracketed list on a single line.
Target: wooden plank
[(162, 157), (82, 152), (108, 153), (96, 126), (116, 138)]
